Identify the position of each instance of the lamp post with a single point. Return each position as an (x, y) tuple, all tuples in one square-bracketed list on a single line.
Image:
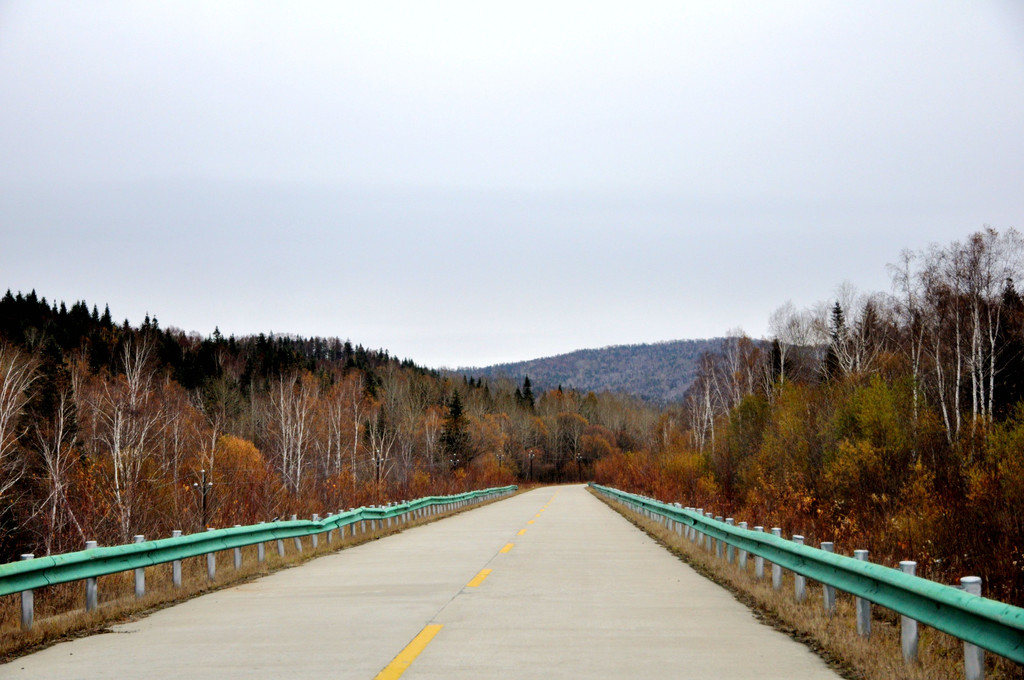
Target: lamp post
[(531, 466), (203, 488)]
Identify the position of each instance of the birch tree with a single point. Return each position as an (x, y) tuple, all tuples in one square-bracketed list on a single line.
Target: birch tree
[(18, 371)]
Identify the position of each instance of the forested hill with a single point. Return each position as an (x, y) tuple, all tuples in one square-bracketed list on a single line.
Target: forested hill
[(659, 373)]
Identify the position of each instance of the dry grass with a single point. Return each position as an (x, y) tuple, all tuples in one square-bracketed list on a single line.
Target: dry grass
[(60, 613), (833, 637)]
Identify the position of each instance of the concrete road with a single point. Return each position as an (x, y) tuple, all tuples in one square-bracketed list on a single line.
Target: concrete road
[(547, 584)]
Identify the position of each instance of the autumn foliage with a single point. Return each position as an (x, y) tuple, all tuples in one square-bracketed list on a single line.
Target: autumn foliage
[(891, 423), (888, 422)]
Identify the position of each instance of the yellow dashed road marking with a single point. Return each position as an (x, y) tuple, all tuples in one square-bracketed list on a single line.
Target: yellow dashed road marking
[(405, 658), (479, 578), (508, 546)]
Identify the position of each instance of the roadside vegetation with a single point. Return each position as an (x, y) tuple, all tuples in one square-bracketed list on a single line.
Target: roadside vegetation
[(60, 615), (833, 637)]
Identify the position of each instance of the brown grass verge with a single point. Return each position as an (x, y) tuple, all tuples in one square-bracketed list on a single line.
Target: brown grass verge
[(59, 609), (833, 637)]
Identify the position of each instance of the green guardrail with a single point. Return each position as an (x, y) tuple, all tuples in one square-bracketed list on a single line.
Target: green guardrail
[(989, 624), (36, 573)]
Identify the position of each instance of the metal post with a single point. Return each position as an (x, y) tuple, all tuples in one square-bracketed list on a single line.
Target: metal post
[(974, 656), (718, 542), (728, 547), (743, 553), (908, 626), (280, 548), (140, 573), (707, 539), (776, 569), (211, 564), (758, 560), (92, 595), (238, 555), (298, 539), (313, 537), (699, 536), (828, 593), (28, 608), (799, 581), (863, 606), (176, 564)]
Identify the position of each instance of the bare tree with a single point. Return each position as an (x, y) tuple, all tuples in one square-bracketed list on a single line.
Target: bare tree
[(120, 415), (18, 371), (55, 441), (291, 404)]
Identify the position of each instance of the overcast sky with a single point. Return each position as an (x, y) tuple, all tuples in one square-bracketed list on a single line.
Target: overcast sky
[(468, 183)]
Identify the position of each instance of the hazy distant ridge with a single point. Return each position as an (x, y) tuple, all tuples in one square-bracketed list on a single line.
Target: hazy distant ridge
[(658, 372)]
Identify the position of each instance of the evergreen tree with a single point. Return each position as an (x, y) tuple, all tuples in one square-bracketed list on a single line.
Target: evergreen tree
[(830, 367), (528, 393), (776, 361), (1009, 380), (454, 437)]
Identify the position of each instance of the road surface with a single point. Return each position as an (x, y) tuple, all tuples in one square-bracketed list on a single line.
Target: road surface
[(547, 584)]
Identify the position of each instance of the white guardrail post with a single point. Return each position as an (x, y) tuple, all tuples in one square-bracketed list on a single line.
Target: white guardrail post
[(211, 563), (776, 569), (974, 656), (799, 582), (27, 602), (828, 593), (743, 553), (176, 564), (908, 626), (92, 594), (863, 606), (758, 560), (140, 573), (238, 555), (298, 539)]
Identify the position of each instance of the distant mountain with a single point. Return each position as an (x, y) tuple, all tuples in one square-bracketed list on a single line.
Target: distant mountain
[(658, 373)]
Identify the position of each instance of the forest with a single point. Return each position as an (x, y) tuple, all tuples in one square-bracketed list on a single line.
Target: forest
[(660, 373), (891, 421), (109, 430)]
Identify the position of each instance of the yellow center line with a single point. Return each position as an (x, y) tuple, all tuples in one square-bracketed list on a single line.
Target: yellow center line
[(479, 578), (521, 532), (537, 515), (508, 546), (405, 658), (531, 521)]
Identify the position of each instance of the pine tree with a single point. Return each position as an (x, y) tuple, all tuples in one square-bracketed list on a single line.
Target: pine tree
[(454, 438), (528, 393), (830, 367)]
